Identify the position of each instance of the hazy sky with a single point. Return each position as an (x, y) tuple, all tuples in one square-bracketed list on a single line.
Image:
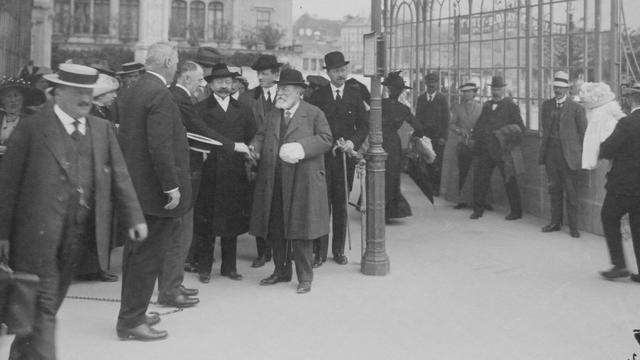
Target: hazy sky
[(331, 9)]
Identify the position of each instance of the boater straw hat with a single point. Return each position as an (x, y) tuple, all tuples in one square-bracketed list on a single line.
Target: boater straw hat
[(561, 79), (469, 86), (74, 75), (105, 84), (130, 67)]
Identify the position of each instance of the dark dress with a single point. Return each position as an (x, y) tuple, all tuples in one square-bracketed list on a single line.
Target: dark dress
[(394, 114)]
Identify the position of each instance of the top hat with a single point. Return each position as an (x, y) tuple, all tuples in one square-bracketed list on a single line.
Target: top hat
[(32, 96), (334, 59), (497, 81), (207, 56), (432, 77), (561, 79), (105, 84), (265, 62), (130, 67), (291, 77), (394, 79), (74, 75), (468, 86), (220, 70)]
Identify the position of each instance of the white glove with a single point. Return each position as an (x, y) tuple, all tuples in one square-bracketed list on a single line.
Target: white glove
[(241, 148), (291, 152), (427, 149)]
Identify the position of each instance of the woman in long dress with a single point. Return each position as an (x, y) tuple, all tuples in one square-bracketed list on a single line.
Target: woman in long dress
[(394, 114)]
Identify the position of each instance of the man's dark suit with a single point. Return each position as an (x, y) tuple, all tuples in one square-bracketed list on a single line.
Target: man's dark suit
[(254, 99), (563, 128), (434, 117), (622, 147), (154, 145), (39, 209), (348, 119), (495, 115)]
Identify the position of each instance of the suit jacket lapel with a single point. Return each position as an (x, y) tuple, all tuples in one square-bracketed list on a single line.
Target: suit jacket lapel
[(99, 141), (54, 141), (297, 119)]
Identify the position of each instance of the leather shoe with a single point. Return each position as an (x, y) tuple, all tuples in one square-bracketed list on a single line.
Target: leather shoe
[(204, 278), (180, 301), (190, 267), (232, 275), (340, 259), (317, 263), (551, 227), (304, 287), (98, 276), (574, 233), (274, 279), (188, 292), (513, 216), (267, 258), (614, 273), (142, 332), (635, 277), (258, 262), (460, 205), (476, 215), (488, 207), (152, 319)]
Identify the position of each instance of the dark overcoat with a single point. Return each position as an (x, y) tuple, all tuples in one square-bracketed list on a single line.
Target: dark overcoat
[(622, 147), (254, 100), (304, 187), (224, 202), (34, 191), (154, 144), (433, 116), (573, 124)]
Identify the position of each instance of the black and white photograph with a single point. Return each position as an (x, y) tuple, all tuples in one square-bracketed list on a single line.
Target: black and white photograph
[(319, 179)]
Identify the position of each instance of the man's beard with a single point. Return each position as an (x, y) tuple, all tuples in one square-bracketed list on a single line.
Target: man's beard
[(282, 103)]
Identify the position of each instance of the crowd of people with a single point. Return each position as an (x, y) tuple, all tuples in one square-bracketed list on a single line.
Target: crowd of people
[(166, 156)]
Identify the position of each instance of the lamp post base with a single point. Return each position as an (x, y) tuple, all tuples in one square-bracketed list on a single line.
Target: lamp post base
[(375, 264)]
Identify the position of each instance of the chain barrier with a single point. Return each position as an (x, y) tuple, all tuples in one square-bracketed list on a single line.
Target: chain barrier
[(104, 299)]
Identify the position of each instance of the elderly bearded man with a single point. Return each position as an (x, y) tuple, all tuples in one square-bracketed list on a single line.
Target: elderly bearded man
[(290, 206)]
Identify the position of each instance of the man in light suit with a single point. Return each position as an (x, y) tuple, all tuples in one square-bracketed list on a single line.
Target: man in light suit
[(61, 180), (290, 205), (154, 145), (261, 100), (563, 125)]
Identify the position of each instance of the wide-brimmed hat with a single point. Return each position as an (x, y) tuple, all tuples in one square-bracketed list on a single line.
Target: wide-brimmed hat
[(433, 76), (393, 79), (105, 84), (291, 77), (317, 80), (130, 67), (265, 62), (32, 96), (561, 79), (497, 81), (220, 70), (207, 56), (334, 59), (74, 75), (468, 86)]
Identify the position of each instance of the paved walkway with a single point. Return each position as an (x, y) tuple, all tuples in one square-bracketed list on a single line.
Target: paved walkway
[(458, 289)]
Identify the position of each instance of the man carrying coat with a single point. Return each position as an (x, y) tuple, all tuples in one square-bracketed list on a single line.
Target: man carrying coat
[(345, 111), (290, 205), (60, 183), (563, 125)]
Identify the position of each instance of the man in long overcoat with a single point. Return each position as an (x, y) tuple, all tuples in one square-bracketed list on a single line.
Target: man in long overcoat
[(60, 183), (564, 123), (290, 205), (261, 100)]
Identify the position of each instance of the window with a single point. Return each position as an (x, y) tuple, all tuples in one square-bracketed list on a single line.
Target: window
[(62, 18), (305, 64), (196, 20), (129, 18), (178, 22), (263, 17), (82, 17), (216, 21), (101, 17)]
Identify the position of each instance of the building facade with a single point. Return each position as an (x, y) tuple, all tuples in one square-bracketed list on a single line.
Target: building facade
[(15, 23), (524, 40), (351, 39)]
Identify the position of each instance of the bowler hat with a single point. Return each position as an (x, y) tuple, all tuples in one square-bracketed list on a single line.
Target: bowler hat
[(220, 70), (561, 79), (497, 81), (130, 67), (207, 56), (32, 96), (334, 59), (394, 79), (432, 77), (468, 86), (265, 62), (74, 75), (291, 77), (317, 80)]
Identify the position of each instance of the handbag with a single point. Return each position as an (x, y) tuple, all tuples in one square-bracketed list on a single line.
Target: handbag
[(18, 296)]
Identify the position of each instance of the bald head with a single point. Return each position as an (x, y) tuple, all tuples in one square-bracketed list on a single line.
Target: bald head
[(162, 58)]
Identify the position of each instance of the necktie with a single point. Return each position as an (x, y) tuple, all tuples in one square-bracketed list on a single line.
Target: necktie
[(338, 97), (76, 134), (287, 117), (269, 97)]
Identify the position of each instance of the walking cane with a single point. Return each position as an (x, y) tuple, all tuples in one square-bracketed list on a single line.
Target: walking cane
[(346, 196), (363, 205)]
